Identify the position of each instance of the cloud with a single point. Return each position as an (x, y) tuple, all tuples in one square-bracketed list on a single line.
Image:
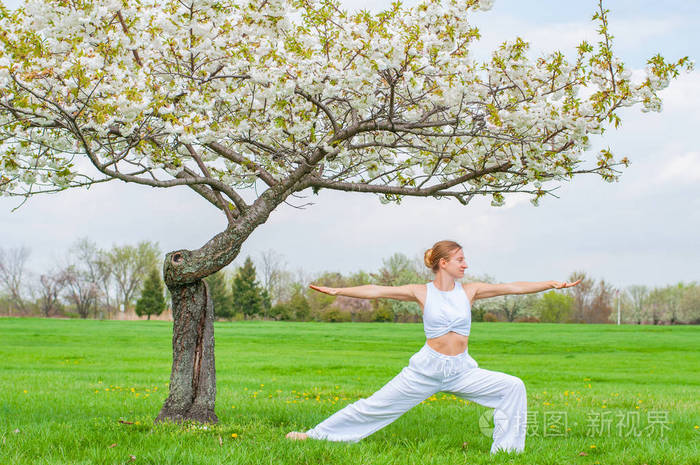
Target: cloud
[(683, 94), (683, 168)]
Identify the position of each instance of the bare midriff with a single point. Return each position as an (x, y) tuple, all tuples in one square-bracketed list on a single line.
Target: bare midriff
[(449, 344)]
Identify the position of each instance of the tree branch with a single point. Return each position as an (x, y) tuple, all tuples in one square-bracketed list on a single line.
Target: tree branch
[(298, 90), (207, 193), (222, 204), (436, 189), (243, 161), (126, 31)]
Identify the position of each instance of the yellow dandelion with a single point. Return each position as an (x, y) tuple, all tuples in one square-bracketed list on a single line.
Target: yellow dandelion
[(234, 435), (696, 426), (592, 446), (233, 406), (25, 391), (133, 390), (605, 406)]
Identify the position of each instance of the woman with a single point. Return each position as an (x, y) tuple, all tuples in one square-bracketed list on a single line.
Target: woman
[(444, 363)]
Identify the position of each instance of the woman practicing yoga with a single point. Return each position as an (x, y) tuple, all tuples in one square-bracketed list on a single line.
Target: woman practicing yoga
[(444, 363)]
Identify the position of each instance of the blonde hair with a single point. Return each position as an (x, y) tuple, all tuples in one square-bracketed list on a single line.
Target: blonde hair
[(439, 250)]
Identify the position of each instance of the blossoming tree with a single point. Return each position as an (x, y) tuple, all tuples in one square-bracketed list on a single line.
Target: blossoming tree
[(287, 95)]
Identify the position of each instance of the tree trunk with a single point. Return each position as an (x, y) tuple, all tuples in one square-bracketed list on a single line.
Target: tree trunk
[(193, 378)]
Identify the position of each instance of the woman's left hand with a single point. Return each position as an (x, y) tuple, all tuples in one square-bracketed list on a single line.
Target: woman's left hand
[(558, 285)]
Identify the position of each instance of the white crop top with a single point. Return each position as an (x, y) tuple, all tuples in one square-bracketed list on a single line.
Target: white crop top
[(446, 311)]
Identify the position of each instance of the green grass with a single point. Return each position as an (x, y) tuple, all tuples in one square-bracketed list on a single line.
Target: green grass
[(65, 385)]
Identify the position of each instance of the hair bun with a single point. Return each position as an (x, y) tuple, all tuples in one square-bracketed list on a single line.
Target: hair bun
[(428, 258)]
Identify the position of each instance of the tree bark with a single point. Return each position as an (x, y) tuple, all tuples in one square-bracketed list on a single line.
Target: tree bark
[(193, 377)]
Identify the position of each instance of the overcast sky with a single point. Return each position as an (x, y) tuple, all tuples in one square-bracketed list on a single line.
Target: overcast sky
[(644, 229)]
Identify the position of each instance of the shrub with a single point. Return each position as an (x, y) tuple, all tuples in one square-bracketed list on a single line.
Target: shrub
[(383, 314), (490, 317), (478, 313), (334, 315), (282, 311)]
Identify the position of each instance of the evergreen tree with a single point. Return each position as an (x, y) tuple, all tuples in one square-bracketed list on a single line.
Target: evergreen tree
[(247, 292), (220, 294), (152, 301), (266, 301)]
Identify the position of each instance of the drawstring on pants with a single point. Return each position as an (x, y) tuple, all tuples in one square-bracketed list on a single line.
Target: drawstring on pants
[(450, 367)]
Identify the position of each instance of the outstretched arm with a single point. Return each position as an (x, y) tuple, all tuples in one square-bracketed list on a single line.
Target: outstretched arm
[(486, 290), (372, 291)]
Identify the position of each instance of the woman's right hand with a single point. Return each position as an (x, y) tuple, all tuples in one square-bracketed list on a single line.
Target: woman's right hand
[(325, 290)]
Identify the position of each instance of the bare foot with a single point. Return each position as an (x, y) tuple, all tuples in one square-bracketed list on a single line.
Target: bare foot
[(297, 436)]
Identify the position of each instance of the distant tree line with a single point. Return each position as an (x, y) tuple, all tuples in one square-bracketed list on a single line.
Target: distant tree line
[(86, 282), (93, 283)]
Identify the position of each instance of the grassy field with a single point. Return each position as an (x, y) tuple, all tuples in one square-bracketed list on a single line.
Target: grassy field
[(87, 391)]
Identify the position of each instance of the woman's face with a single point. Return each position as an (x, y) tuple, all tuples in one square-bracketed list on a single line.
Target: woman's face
[(456, 264)]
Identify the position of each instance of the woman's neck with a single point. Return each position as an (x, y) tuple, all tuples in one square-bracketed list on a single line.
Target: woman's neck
[(444, 282)]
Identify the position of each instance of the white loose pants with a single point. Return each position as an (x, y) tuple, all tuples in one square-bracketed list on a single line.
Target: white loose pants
[(429, 372)]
